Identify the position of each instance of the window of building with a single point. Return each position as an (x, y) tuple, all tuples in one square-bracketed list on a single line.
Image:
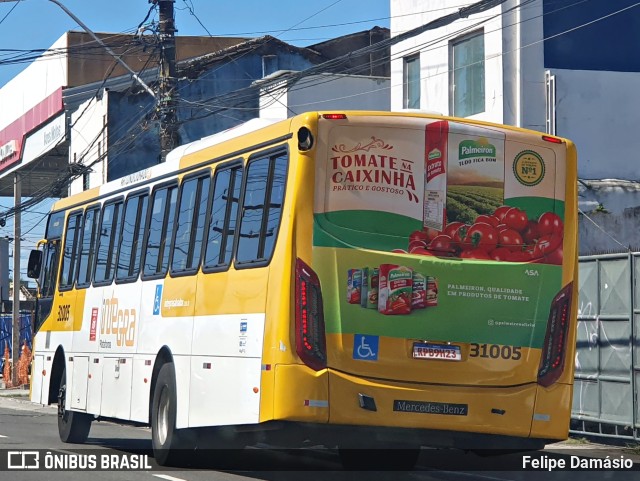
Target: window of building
[(467, 76), (135, 213), (69, 253), (88, 246), (192, 211), (227, 187), (262, 208), (412, 82), (108, 242)]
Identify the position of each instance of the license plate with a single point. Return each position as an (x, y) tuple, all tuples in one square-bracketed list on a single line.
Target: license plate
[(443, 352)]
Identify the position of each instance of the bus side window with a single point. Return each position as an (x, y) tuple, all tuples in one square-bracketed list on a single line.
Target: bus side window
[(223, 219), (192, 210), (50, 268), (262, 208), (70, 251), (108, 243), (160, 231), (88, 246), (135, 213)]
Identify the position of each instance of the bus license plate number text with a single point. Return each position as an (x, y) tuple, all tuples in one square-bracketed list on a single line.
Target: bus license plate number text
[(436, 351)]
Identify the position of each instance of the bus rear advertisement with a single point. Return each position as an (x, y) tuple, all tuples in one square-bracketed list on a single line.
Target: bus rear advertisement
[(361, 279)]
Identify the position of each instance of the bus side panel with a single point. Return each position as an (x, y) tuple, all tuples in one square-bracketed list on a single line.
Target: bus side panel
[(549, 422)]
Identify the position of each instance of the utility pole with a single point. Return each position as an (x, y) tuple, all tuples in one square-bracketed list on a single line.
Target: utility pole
[(167, 91)]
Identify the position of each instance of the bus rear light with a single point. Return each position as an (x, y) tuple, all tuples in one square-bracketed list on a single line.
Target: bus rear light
[(334, 116), (309, 318), (554, 349), (553, 140)]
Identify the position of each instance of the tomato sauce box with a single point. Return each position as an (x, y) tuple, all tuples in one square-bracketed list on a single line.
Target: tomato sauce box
[(354, 286), (432, 292), (419, 291), (372, 288), (435, 175), (394, 289)]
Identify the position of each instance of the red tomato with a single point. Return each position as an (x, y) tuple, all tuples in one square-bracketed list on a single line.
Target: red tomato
[(487, 219), (500, 254), (417, 243), (501, 211), (431, 233), (480, 254), (441, 244), (546, 244), (550, 223), (531, 232), (452, 228), (555, 257), (458, 235), (399, 251), (419, 235), (480, 236), (516, 219), (510, 239)]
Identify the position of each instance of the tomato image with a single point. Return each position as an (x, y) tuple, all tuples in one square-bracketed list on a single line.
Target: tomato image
[(399, 251), (531, 232), (501, 211), (451, 228), (441, 244), (546, 244), (555, 257), (550, 223), (479, 254), (516, 219), (510, 239), (413, 244), (487, 219), (480, 236), (419, 235), (500, 254)]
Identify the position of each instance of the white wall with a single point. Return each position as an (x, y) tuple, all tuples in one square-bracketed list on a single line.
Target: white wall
[(434, 48), (35, 83), (327, 92), (87, 127)]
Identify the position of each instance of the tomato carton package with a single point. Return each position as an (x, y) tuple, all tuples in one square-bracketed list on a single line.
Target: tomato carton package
[(354, 286), (395, 289), (419, 291), (431, 292), (372, 289)]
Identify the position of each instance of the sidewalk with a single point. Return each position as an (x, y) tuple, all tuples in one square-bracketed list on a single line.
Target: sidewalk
[(17, 392)]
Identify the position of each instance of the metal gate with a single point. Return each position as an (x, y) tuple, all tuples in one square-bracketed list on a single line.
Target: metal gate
[(607, 376)]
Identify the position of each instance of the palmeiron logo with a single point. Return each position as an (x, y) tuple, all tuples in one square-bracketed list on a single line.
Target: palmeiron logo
[(480, 150), (434, 154), (393, 275)]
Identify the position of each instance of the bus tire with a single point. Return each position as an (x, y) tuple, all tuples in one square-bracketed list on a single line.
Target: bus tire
[(171, 446), (73, 426)]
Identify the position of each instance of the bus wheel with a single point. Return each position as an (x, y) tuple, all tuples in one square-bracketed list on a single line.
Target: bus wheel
[(170, 445), (73, 427), (379, 459)]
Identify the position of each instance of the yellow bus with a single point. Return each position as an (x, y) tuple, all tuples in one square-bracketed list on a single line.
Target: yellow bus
[(361, 279)]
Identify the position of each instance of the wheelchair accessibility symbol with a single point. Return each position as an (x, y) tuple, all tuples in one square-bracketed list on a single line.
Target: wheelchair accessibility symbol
[(365, 347)]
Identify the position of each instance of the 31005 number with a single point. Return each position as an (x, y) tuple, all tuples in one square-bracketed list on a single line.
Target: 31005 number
[(495, 351)]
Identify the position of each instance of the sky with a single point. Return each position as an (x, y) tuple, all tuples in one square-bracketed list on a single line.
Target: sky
[(37, 24)]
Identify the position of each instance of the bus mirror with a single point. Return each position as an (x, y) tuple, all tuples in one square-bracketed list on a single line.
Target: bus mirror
[(35, 262)]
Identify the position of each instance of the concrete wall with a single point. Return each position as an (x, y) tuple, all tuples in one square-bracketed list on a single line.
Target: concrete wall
[(326, 92), (89, 140)]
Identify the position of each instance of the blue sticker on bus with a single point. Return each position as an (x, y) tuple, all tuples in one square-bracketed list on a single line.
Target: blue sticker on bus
[(365, 347), (157, 300)]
